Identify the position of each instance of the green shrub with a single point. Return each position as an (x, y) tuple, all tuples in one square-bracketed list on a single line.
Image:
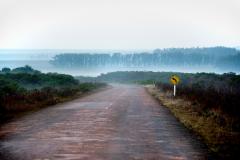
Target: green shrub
[(20, 91), (6, 70)]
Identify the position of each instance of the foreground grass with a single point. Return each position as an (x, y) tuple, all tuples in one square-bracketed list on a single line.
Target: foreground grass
[(220, 139)]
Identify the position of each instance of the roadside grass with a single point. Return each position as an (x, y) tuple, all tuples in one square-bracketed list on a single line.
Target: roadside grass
[(33, 102), (220, 139)]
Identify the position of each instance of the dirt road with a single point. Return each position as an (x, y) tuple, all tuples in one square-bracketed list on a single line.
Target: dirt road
[(120, 123)]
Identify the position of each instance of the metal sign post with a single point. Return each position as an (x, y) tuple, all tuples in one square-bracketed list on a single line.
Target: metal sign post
[(174, 90)]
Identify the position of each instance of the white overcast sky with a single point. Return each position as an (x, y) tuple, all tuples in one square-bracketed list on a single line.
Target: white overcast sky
[(118, 24)]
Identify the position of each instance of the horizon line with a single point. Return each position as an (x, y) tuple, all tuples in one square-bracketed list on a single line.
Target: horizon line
[(214, 46)]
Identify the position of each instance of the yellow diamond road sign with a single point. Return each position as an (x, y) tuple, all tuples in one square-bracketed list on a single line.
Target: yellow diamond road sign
[(174, 79)]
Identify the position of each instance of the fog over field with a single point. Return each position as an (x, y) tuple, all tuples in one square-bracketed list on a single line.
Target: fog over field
[(95, 62), (40, 58)]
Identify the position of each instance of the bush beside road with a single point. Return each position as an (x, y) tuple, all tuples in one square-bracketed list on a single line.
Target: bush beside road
[(29, 89)]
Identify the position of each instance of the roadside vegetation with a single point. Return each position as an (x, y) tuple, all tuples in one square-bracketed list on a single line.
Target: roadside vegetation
[(209, 105), (206, 103), (23, 89)]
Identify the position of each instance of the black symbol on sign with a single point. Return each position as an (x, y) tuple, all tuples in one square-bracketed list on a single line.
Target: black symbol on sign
[(174, 79)]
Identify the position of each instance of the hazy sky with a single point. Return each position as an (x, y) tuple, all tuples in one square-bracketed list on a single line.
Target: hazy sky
[(118, 24)]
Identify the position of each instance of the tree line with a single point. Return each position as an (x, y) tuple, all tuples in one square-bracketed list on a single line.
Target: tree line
[(219, 57)]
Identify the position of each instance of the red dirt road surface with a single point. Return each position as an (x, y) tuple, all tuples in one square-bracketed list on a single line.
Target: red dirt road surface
[(120, 123)]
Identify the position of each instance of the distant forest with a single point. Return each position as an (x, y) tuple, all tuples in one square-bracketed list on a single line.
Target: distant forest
[(214, 57)]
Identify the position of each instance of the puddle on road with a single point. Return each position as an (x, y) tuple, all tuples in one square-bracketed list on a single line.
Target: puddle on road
[(87, 105)]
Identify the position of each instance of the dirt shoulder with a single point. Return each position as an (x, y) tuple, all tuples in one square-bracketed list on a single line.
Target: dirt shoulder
[(220, 140)]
